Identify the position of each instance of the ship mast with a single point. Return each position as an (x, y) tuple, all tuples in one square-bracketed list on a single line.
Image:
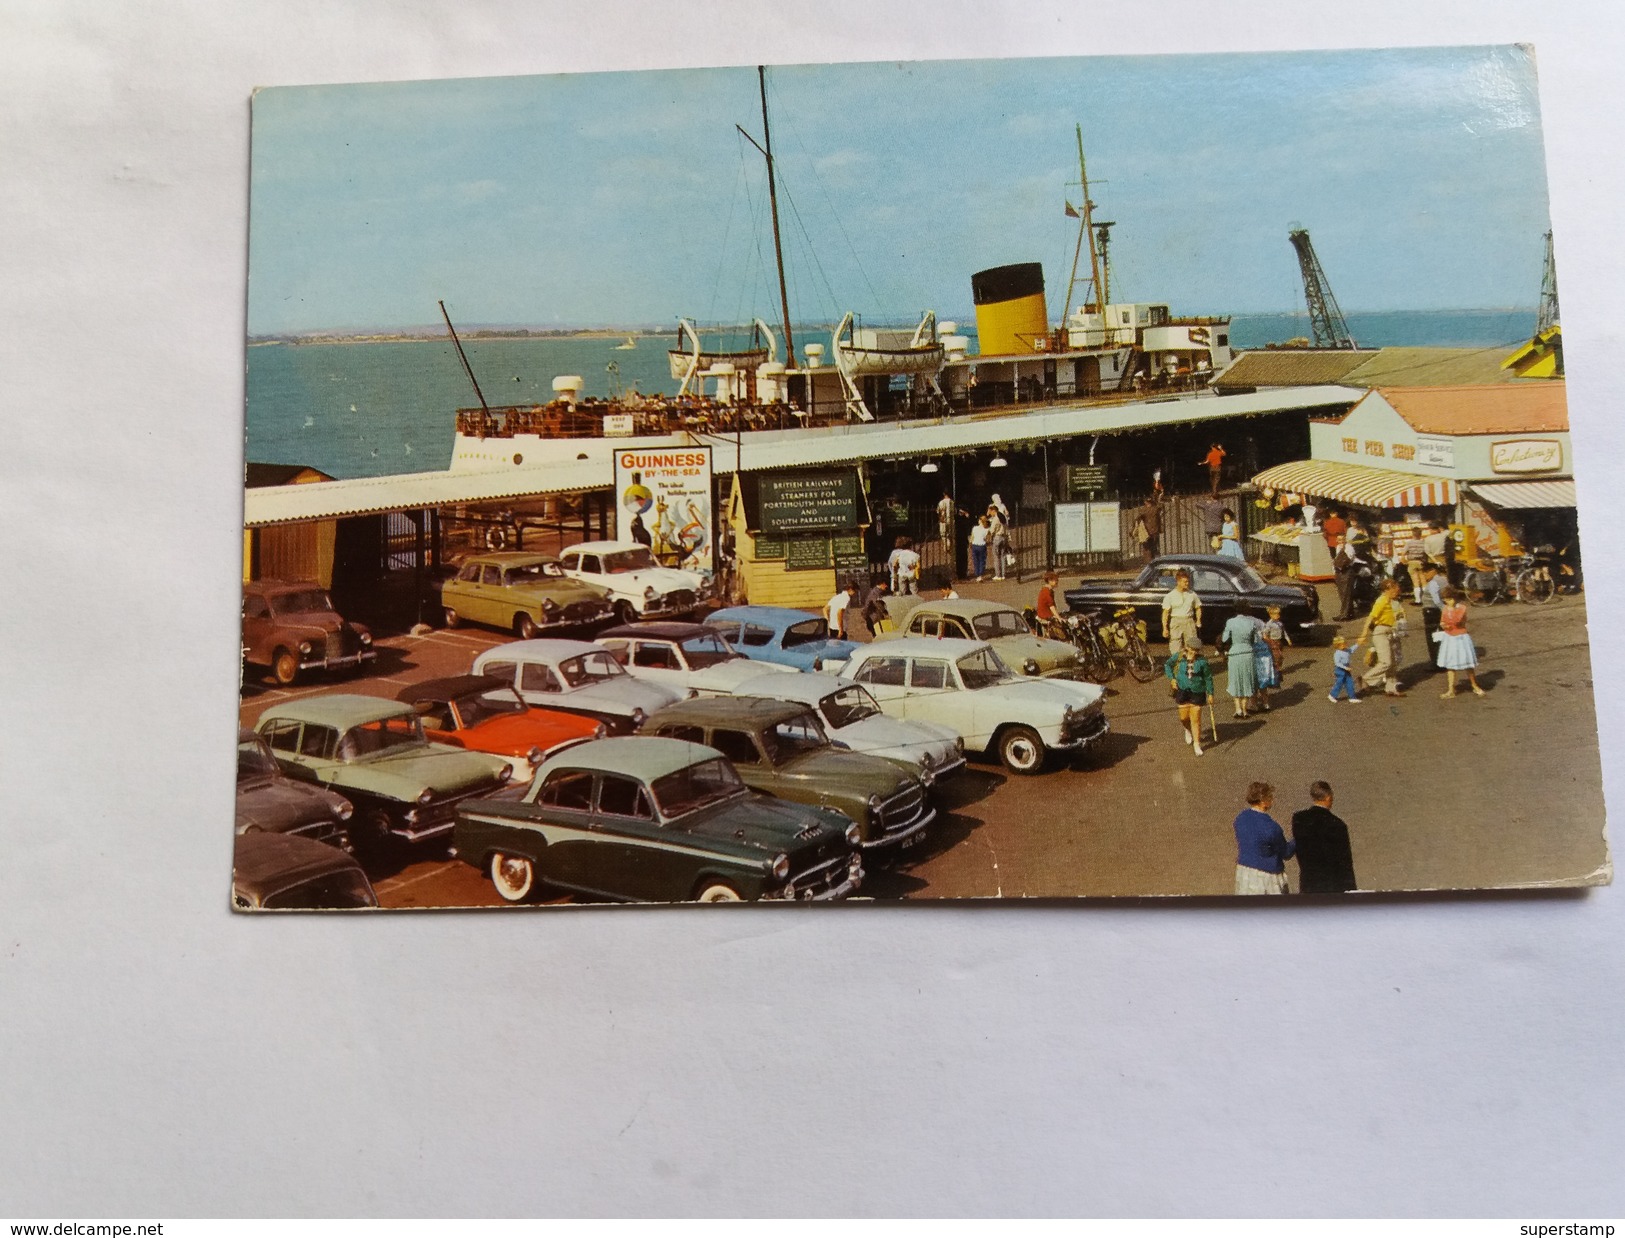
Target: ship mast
[(1086, 229), (766, 147)]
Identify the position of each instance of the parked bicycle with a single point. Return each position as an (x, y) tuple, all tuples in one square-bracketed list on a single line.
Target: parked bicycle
[(1528, 578), (1095, 654), (1125, 637)]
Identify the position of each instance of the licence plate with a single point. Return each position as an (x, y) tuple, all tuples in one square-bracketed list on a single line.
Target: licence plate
[(913, 840)]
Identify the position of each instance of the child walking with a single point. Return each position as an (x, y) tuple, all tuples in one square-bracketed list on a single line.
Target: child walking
[(1267, 652), (1456, 652), (1342, 672)]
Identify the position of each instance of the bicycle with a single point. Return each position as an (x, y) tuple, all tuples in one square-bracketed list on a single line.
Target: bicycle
[(1083, 629), (1125, 635), (1526, 578)]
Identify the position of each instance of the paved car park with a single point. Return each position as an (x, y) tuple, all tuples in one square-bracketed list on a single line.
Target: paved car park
[(1502, 790)]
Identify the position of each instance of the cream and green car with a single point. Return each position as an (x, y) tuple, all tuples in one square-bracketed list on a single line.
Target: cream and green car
[(521, 593), (1000, 626)]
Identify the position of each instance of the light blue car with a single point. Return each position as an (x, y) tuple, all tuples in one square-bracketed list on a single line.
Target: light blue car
[(781, 635)]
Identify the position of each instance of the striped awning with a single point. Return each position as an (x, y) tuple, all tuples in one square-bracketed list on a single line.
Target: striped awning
[(1525, 494), (1358, 484)]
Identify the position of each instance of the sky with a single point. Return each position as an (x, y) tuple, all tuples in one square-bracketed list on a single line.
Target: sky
[(631, 199)]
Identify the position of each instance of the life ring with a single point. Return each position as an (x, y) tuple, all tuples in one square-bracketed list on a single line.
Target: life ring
[(1199, 335), (496, 537)]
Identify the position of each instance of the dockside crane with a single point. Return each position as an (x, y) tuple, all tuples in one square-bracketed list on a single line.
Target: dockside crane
[(1547, 317), (1326, 322)]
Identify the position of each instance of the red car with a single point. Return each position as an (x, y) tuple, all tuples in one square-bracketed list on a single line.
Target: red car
[(485, 714)]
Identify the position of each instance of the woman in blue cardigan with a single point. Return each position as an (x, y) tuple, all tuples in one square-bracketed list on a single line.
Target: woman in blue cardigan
[(1262, 847)]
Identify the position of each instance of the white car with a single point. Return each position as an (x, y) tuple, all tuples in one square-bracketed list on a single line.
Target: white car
[(577, 677), (853, 718), (962, 684), (638, 587), (685, 656)]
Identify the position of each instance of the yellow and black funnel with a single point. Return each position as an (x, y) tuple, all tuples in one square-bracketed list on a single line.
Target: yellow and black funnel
[(1010, 312)]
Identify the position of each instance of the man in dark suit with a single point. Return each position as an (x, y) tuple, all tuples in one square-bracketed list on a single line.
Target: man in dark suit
[(1325, 861)]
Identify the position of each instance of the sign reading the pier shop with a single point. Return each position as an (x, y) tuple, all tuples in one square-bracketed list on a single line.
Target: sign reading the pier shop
[(792, 501), (663, 499), (1526, 455)]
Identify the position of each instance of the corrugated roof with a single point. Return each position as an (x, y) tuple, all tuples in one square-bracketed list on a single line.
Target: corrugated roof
[(1432, 367), (1359, 484), (1291, 367), (1526, 494), (1501, 408)]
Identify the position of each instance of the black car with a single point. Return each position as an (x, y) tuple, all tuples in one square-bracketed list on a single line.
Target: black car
[(284, 872), (1223, 584), (270, 802)]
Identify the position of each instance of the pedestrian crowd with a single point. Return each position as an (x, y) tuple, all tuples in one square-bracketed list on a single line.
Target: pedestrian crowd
[(1319, 842)]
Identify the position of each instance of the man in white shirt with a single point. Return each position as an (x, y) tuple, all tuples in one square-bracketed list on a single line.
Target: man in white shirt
[(1181, 615), (835, 610)]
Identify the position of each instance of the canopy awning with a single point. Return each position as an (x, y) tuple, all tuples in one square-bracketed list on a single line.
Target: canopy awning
[(1525, 494), (1358, 485)]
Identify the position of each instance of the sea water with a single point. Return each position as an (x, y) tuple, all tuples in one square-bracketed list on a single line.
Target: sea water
[(379, 407)]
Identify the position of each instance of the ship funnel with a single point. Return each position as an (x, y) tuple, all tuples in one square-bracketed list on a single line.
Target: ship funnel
[(814, 355), (1010, 312), (568, 387)]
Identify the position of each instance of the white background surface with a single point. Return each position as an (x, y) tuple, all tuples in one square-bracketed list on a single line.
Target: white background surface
[(160, 1057)]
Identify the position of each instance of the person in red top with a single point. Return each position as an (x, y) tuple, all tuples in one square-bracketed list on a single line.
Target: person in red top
[(1045, 609), (1333, 528), (1214, 461)]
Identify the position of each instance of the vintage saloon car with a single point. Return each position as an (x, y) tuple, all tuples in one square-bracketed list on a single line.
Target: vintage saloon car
[(779, 635), (686, 656), (962, 684), (853, 720), (521, 593), (291, 626), (578, 677), (655, 820), (484, 714), (269, 802), (284, 872), (638, 587), (374, 752), (1223, 584), (1000, 626), (780, 747)]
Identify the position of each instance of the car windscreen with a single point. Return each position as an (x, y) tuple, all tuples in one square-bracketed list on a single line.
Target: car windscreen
[(629, 561), (384, 735), (804, 633), (590, 668), (998, 623), (793, 737), (1249, 579), (680, 793), (707, 650), (301, 601), (254, 760), (477, 707), (982, 669), (528, 572), (335, 890), (847, 706)]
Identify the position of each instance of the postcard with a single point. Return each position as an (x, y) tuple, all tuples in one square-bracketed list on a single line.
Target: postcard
[(937, 480)]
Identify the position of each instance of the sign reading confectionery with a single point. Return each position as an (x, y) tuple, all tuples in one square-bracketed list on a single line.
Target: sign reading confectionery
[(1526, 455)]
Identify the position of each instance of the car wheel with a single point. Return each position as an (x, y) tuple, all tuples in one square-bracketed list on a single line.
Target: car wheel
[(514, 876), (285, 666), (624, 612), (453, 619), (524, 626), (718, 892), (1022, 750)]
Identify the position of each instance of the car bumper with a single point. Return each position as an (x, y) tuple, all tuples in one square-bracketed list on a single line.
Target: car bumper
[(327, 664), (940, 773), (839, 879), (1094, 730), (904, 838), (555, 625)]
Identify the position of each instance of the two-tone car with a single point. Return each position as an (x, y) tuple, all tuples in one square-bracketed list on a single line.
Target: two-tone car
[(269, 802), (1000, 626), (854, 720), (291, 627), (1223, 584), (637, 585), (780, 747), (779, 635), (577, 677), (285, 872), (484, 714), (687, 657), (374, 753), (963, 685), (525, 594), (655, 820)]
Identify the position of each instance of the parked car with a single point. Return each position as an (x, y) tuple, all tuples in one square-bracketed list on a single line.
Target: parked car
[(690, 658), (484, 714), (780, 747), (963, 685), (1000, 626), (854, 721), (638, 587), (521, 593), (285, 872), (269, 802), (291, 627), (578, 677), (374, 752), (1223, 584), (779, 635), (655, 820)]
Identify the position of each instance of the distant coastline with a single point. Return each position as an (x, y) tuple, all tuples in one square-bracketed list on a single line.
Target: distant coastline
[(429, 336)]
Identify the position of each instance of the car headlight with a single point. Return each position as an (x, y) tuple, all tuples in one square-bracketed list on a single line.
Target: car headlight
[(425, 795), (534, 756), (874, 805), (346, 812), (781, 866), (638, 716), (550, 606), (505, 773), (649, 593), (1030, 666), (599, 731), (304, 647), (853, 836), (959, 745), (365, 638)]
